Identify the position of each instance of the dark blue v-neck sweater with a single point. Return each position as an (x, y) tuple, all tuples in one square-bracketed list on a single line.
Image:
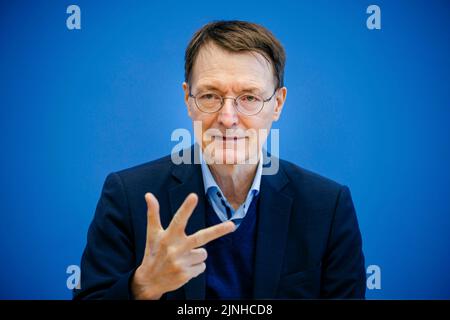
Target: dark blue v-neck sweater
[(229, 266)]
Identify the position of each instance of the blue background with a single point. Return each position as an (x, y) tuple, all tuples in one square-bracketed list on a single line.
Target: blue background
[(369, 109)]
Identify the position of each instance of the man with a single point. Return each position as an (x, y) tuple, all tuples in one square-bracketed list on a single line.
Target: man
[(221, 229)]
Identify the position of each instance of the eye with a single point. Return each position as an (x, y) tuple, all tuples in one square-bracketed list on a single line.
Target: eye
[(249, 98), (209, 96)]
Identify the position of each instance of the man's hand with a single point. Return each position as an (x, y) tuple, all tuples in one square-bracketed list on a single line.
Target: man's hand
[(171, 257)]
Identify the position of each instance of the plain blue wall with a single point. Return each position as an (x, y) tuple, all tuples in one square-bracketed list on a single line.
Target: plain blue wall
[(369, 109)]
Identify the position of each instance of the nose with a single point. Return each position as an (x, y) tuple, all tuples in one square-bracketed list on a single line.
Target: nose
[(228, 116)]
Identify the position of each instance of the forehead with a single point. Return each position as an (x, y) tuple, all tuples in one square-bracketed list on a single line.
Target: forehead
[(226, 70)]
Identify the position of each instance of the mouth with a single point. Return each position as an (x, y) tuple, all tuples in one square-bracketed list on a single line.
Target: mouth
[(230, 138)]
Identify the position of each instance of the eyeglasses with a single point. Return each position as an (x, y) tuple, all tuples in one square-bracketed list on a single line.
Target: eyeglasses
[(246, 103)]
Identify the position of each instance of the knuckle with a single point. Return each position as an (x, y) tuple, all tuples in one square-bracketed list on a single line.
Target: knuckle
[(176, 267), (197, 241), (173, 261), (171, 252), (203, 253), (201, 268)]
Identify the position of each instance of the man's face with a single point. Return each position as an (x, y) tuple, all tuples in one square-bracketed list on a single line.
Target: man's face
[(228, 136)]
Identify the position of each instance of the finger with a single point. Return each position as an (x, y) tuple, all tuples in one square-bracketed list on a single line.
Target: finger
[(197, 269), (202, 237), (181, 217), (153, 219), (196, 256)]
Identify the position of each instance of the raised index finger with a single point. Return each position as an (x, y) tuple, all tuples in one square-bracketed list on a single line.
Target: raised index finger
[(181, 217)]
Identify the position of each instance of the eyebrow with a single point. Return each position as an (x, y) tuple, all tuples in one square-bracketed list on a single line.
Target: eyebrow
[(251, 89)]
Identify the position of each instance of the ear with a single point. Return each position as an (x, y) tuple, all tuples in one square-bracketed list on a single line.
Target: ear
[(186, 97), (280, 98)]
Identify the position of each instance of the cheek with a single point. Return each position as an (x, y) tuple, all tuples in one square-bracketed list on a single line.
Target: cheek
[(202, 122), (261, 126), (207, 121), (204, 118), (258, 122)]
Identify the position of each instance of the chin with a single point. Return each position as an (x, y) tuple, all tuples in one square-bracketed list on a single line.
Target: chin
[(230, 157), (217, 153)]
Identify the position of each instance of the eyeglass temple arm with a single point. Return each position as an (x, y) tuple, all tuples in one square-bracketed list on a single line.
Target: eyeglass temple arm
[(268, 99)]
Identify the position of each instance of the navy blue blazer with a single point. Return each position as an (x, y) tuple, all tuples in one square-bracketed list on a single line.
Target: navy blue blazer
[(308, 240)]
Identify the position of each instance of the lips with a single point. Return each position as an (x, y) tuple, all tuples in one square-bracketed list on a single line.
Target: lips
[(223, 138)]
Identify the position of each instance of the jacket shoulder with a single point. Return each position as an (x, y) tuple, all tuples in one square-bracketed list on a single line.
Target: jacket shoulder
[(156, 168), (309, 180)]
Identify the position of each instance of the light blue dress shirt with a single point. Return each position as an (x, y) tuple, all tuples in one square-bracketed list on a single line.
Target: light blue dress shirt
[(219, 202)]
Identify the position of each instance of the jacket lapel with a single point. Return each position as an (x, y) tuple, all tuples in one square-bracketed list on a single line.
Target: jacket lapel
[(272, 229), (191, 180)]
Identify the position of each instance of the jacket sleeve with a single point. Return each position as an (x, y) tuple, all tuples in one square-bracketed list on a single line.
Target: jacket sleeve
[(108, 261), (343, 270)]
